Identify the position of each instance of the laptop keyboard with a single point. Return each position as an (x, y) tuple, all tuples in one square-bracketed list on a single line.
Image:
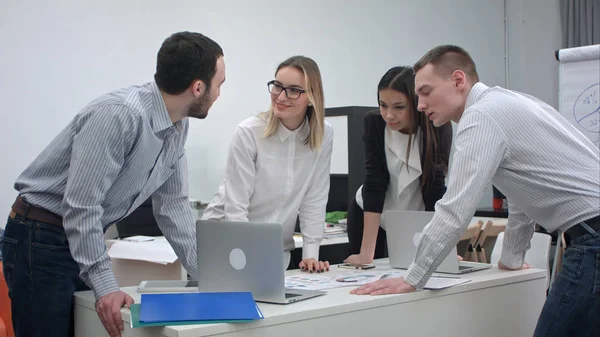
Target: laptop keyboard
[(464, 267), (290, 295)]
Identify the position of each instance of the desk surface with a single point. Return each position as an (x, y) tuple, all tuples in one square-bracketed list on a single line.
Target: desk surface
[(335, 302)]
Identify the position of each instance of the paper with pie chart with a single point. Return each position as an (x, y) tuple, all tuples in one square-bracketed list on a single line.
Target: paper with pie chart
[(580, 89)]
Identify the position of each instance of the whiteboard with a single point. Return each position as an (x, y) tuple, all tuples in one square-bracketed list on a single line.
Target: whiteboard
[(579, 89), (339, 155)]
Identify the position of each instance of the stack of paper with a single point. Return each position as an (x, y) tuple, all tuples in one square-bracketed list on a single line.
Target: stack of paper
[(157, 250), (332, 231), (194, 308)]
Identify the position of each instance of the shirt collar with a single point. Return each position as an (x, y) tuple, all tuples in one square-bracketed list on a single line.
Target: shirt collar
[(160, 116), (302, 132), (476, 93)]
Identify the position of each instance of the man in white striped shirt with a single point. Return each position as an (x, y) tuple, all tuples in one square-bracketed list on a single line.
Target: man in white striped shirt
[(547, 169), (121, 149)]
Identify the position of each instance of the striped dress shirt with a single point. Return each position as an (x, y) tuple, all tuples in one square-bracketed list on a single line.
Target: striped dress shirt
[(121, 149), (547, 169)]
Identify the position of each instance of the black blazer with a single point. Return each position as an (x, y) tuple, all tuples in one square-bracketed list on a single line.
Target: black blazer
[(377, 176)]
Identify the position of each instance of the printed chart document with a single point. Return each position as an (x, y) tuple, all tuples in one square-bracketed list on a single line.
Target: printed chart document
[(358, 278)]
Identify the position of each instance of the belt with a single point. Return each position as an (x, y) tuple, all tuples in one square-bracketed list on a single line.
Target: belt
[(578, 230), (31, 212)]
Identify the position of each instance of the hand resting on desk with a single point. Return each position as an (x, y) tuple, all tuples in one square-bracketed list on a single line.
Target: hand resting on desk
[(109, 310), (359, 259), (384, 287), (398, 286), (503, 267), (311, 265)]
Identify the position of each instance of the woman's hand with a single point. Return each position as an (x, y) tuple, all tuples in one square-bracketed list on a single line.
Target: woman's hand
[(312, 265), (358, 259)]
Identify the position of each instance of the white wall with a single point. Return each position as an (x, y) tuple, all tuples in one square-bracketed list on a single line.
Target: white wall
[(58, 55), (534, 36)]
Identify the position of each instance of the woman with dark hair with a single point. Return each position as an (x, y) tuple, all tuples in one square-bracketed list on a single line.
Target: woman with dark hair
[(406, 162)]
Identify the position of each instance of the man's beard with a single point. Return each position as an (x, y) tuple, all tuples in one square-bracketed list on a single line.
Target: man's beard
[(199, 107)]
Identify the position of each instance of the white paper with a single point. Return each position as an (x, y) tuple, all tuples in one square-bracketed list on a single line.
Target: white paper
[(139, 238), (330, 281), (358, 278), (434, 282), (156, 251)]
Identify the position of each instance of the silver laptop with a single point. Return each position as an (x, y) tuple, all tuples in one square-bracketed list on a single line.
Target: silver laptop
[(244, 256), (403, 231)]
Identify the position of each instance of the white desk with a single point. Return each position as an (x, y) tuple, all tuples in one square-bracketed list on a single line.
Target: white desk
[(494, 304)]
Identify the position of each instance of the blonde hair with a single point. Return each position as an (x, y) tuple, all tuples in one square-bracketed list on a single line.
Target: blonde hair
[(314, 92)]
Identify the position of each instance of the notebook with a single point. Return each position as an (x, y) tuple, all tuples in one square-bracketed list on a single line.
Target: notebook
[(135, 320), (185, 307)]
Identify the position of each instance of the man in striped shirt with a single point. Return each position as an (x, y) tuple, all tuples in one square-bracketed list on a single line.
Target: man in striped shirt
[(547, 169), (121, 149)]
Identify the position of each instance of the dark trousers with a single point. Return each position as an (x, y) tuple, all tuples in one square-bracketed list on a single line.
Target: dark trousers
[(41, 276), (572, 308), (355, 229)]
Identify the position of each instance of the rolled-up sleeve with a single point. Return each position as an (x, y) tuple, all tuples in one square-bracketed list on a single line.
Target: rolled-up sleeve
[(517, 237)]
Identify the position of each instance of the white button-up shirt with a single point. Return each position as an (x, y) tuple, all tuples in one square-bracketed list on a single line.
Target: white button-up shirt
[(404, 189), (275, 179)]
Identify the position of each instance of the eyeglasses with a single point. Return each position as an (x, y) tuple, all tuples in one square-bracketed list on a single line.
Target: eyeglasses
[(291, 93)]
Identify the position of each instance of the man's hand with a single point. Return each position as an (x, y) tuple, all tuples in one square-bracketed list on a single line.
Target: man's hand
[(384, 287), (109, 310), (311, 265), (358, 259), (523, 266)]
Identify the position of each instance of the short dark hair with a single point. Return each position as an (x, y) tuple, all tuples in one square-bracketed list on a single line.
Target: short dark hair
[(448, 58), (183, 58)]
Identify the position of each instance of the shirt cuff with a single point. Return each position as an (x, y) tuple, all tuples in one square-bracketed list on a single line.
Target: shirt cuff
[(511, 260), (417, 276), (310, 251), (103, 283)]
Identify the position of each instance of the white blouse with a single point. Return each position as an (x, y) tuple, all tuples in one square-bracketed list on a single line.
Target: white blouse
[(404, 189), (275, 179)]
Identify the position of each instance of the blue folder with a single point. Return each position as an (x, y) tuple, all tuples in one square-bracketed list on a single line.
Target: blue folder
[(177, 307)]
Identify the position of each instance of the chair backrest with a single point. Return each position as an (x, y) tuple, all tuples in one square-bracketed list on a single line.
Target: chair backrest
[(538, 256), (6, 328)]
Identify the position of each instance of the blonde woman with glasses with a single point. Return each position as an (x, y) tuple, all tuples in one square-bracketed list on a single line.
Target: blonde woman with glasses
[(278, 163)]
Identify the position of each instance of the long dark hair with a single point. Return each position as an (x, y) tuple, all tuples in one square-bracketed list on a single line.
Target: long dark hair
[(402, 79)]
